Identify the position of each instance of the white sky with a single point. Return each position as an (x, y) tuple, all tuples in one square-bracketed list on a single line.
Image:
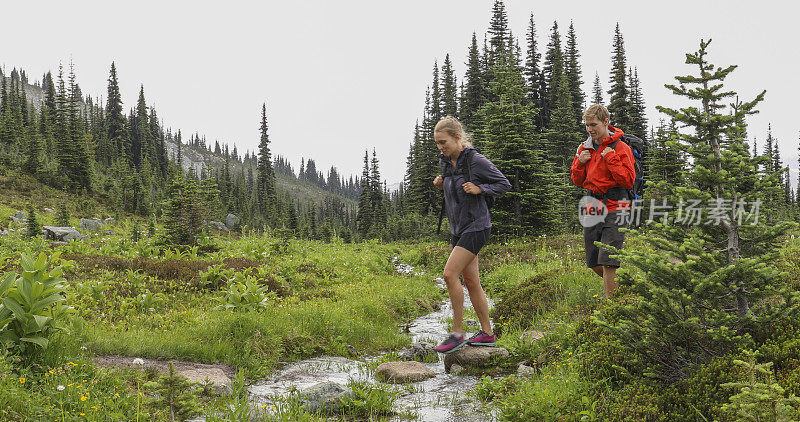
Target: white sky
[(341, 77)]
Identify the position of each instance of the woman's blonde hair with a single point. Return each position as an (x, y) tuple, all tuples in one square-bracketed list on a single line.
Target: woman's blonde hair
[(453, 127)]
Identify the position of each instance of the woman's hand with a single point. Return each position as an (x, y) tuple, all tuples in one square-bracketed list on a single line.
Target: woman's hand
[(470, 187), (437, 181)]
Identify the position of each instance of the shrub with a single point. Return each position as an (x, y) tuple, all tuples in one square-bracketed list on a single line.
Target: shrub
[(31, 310), (535, 295)]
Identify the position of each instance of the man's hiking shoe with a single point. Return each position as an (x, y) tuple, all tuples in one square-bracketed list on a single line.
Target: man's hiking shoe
[(452, 343), (481, 339)]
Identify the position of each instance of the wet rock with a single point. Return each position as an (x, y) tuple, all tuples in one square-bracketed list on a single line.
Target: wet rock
[(474, 357), (403, 372), (324, 397), (531, 336), (218, 377), (231, 220), (456, 369), (523, 370), (216, 225), (91, 224), (422, 352), (60, 234), (215, 377)]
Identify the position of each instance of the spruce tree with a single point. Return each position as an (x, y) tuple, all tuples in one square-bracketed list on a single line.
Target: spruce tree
[(705, 290), (449, 89), (638, 125), (552, 71), (597, 90), (498, 31), (510, 142), (534, 80), (265, 190), (475, 88), (379, 212), (118, 147), (619, 102), (364, 216), (572, 68), (34, 228)]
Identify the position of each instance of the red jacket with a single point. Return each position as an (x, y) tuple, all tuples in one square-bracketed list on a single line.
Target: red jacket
[(601, 174)]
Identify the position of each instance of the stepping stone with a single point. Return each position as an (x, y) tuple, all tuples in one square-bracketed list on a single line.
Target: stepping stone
[(403, 372), (474, 357)]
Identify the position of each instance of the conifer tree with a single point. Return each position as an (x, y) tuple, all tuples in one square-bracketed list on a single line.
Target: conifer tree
[(534, 80), (619, 102), (510, 141), (552, 70), (597, 90), (266, 193), (378, 214), (638, 124), (449, 89), (34, 228), (364, 216), (498, 31), (697, 286), (475, 88), (572, 68), (117, 146)]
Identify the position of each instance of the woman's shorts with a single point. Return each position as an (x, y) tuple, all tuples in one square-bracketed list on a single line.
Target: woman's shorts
[(472, 241)]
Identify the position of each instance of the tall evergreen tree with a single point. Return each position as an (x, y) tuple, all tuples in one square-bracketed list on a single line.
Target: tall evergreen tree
[(638, 124), (619, 102), (510, 140), (364, 216), (697, 287), (597, 90), (475, 88), (572, 68), (534, 80), (552, 70), (266, 193), (449, 89)]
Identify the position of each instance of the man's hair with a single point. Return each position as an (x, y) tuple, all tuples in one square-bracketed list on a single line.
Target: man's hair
[(597, 111)]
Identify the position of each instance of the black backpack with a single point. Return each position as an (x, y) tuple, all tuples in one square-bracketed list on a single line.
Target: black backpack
[(639, 148)]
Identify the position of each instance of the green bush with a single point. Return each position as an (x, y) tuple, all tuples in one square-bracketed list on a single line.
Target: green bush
[(535, 295), (31, 310)]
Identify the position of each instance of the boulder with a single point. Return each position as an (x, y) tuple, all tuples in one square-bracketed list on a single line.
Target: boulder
[(91, 224), (474, 357), (422, 352), (324, 397), (215, 377), (60, 234), (531, 336), (403, 372), (216, 225), (231, 220), (524, 370)]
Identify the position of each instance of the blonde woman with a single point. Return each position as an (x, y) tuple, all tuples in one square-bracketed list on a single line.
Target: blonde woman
[(466, 179)]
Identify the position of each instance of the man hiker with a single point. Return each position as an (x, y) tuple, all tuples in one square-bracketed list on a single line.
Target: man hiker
[(605, 167)]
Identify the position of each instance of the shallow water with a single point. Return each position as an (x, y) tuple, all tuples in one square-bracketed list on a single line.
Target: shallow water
[(438, 399)]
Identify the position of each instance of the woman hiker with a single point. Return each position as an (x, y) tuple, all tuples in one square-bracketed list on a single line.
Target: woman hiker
[(465, 190)]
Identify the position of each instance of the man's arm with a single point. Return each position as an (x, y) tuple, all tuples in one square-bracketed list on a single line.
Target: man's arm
[(619, 161), (577, 171)]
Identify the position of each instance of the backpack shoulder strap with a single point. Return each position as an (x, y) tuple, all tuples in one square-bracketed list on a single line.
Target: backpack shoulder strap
[(468, 164)]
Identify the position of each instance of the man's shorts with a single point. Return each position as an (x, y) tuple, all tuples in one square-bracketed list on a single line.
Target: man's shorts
[(607, 233), (472, 241)]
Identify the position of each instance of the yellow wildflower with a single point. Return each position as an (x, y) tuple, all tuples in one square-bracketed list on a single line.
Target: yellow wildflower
[(22, 380), (84, 398)]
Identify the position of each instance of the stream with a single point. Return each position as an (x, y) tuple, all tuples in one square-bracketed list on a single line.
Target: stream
[(438, 399)]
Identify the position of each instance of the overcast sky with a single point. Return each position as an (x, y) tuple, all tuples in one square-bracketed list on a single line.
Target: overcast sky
[(340, 77)]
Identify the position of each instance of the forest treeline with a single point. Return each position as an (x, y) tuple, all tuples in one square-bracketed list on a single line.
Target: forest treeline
[(520, 99)]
